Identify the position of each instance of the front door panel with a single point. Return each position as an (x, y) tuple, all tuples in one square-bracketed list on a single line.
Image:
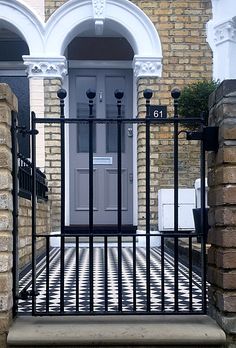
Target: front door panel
[(105, 82)]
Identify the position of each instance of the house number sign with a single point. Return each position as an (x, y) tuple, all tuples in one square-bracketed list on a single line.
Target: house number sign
[(158, 111)]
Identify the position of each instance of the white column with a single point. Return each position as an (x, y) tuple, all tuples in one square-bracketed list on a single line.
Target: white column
[(221, 36), (37, 105), (224, 50), (39, 68)]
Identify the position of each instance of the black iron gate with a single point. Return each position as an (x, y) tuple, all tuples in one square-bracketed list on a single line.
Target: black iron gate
[(108, 273)]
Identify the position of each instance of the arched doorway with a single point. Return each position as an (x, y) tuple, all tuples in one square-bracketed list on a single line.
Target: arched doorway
[(121, 17), (103, 64), (120, 36), (12, 72)]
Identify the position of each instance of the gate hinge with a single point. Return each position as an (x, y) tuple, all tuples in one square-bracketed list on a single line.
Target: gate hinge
[(26, 294), (23, 130), (209, 136)]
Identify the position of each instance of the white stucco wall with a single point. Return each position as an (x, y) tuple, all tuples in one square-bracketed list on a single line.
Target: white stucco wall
[(37, 105)]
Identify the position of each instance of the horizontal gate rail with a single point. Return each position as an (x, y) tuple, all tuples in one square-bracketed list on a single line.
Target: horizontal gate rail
[(118, 276), (169, 120)]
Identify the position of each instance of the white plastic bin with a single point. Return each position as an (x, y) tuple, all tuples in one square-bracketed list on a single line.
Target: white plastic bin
[(166, 209)]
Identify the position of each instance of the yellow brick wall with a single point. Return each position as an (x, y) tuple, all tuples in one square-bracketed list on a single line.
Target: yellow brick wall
[(25, 229), (51, 6), (186, 59), (8, 103)]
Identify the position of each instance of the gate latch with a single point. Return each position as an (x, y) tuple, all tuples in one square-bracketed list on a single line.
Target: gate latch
[(26, 294), (209, 136)]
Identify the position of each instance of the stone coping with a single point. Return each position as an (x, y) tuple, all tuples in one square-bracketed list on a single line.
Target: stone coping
[(227, 88), (119, 330)]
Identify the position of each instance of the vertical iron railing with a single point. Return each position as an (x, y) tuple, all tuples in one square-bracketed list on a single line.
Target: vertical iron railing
[(144, 259), (203, 214), (148, 95), (119, 95), (62, 95), (33, 219), (91, 95), (175, 95)]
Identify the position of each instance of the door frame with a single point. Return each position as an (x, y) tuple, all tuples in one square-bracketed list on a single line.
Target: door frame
[(100, 65)]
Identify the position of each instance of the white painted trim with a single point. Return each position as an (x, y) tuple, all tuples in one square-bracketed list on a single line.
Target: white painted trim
[(45, 67), (135, 156), (47, 42), (67, 154), (98, 64), (25, 22), (122, 16)]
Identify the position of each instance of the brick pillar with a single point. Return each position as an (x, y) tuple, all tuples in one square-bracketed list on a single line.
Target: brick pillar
[(8, 103), (222, 215)]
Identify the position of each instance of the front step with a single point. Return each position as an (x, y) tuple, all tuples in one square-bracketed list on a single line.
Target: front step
[(119, 331), (82, 231), (100, 240)]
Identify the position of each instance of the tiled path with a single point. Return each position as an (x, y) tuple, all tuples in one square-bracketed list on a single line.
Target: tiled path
[(112, 279)]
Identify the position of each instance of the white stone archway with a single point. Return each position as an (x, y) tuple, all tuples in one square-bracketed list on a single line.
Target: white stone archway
[(47, 42), (74, 17), (25, 22), (221, 36)]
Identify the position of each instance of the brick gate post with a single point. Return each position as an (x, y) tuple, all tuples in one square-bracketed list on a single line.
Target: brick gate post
[(8, 102), (222, 214)]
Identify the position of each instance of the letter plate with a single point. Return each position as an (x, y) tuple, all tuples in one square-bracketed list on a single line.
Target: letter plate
[(102, 160)]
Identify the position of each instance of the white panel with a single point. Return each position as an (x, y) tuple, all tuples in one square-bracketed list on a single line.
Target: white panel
[(185, 217), (37, 105), (166, 209)]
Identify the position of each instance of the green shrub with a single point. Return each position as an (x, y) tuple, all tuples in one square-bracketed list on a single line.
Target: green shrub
[(194, 98)]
